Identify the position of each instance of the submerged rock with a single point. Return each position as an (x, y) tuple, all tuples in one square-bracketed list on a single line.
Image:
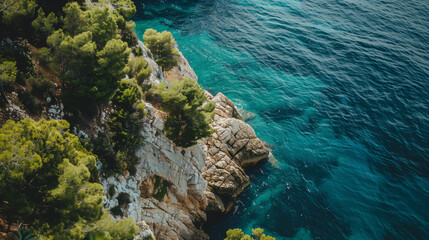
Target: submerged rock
[(246, 115)]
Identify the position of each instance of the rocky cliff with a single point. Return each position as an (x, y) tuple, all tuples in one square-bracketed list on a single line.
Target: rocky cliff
[(175, 187)]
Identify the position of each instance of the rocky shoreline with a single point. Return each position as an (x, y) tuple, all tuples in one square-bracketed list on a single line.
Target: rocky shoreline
[(205, 178), (174, 189)]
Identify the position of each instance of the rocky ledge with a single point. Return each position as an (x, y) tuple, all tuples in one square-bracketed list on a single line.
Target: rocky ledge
[(174, 187)]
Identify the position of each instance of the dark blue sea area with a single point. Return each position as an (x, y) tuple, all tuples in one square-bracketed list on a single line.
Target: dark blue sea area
[(339, 87)]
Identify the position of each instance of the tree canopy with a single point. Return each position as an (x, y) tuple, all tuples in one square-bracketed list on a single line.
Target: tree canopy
[(188, 120), (162, 46), (237, 234), (48, 179), (90, 55), (8, 72), (139, 69)]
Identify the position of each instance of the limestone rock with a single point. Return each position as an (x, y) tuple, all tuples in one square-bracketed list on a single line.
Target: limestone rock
[(176, 209), (234, 145), (182, 70)]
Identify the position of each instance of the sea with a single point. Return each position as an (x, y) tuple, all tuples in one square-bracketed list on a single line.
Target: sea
[(340, 91)]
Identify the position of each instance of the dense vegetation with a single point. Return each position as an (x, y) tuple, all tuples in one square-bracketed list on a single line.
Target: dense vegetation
[(48, 179), (188, 120), (89, 53), (162, 47), (82, 52), (116, 148), (237, 234)]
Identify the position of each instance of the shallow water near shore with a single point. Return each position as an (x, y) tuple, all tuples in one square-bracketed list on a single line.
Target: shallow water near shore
[(340, 88)]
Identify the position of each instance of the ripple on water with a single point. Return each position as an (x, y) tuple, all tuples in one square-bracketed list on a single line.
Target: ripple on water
[(340, 88)]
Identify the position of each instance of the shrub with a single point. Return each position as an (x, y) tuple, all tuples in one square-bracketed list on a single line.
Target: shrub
[(25, 234), (117, 148), (160, 188), (8, 72), (123, 199), (111, 191), (29, 102), (44, 56), (139, 69), (117, 211), (237, 234), (138, 51), (188, 120), (41, 85)]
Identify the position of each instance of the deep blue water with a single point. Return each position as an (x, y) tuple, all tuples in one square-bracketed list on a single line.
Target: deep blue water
[(340, 87)]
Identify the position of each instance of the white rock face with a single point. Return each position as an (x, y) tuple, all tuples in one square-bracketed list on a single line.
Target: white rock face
[(156, 76), (173, 186), (176, 214)]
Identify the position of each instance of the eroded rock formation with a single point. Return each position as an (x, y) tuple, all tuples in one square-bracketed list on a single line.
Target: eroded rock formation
[(174, 187)]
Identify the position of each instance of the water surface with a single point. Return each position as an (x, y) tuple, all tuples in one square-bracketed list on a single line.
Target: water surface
[(339, 87)]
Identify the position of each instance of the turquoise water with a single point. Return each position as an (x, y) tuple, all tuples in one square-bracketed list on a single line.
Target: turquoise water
[(340, 88)]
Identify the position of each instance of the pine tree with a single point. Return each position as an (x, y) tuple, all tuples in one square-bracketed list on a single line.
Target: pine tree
[(162, 47), (187, 119), (47, 180)]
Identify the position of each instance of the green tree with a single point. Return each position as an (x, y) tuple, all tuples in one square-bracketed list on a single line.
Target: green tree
[(91, 58), (139, 69), (89, 75), (103, 25), (125, 125), (188, 120), (8, 72), (234, 234), (75, 20), (111, 66), (15, 13), (44, 26), (126, 8), (162, 47), (237, 234), (45, 180)]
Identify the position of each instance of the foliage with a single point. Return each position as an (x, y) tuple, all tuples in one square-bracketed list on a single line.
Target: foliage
[(90, 56), (29, 102), (45, 180), (117, 211), (126, 8), (44, 56), (18, 53), (102, 25), (138, 51), (162, 47), (89, 74), (111, 191), (237, 234), (128, 35), (123, 199), (25, 234), (160, 188), (139, 69), (188, 120), (125, 229), (125, 124), (16, 15), (41, 85), (8, 72), (43, 26)]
